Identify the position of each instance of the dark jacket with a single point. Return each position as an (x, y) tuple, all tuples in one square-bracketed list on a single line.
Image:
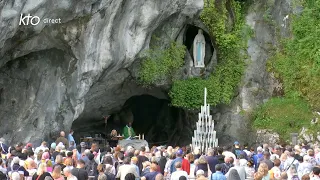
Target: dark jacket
[(42, 177), (18, 168), (212, 161), (80, 173), (91, 168), (64, 141)]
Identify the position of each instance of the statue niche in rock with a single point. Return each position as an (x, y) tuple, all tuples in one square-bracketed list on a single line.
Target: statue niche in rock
[(199, 45)]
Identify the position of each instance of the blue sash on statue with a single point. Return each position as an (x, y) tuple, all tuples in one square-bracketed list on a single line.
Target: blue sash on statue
[(199, 51)]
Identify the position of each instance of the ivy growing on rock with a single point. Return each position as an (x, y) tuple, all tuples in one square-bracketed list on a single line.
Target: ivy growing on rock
[(297, 64), (230, 43), (161, 64)]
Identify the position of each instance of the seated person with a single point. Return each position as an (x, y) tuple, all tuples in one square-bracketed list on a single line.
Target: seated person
[(128, 131)]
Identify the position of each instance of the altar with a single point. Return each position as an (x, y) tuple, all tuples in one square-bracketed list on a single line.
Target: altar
[(135, 143)]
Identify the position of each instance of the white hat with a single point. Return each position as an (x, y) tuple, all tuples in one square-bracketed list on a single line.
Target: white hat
[(259, 149)]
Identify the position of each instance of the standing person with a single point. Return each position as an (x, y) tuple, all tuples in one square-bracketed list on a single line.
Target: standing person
[(56, 173), (178, 172), (41, 173), (17, 168), (142, 158), (91, 166), (263, 172), (257, 157), (233, 175), (266, 159), (71, 139), (218, 175), (202, 165), (152, 174), (3, 146), (275, 172), (212, 160), (63, 140), (80, 171), (126, 168), (240, 170), (68, 174), (128, 131)]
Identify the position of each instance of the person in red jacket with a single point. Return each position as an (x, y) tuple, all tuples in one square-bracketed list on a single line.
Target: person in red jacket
[(186, 164)]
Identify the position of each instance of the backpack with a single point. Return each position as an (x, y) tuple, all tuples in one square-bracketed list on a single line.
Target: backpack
[(17, 170), (92, 170), (238, 152), (225, 168)]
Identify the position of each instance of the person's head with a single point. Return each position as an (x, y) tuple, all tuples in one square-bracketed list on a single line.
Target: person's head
[(42, 169), (67, 171), (59, 159), (100, 168), (121, 156), (227, 159), (56, 172), (62, 134), (15, 160), (190, 157), (94, 146), (277, 162), (305, 177), (159, 176), (126, 160), (134, 160), (178, 165), (310, 152), (71, 132), (266, 155), (90, 157), (179, 153), (182, 178), (263, 169), (81, 163), (146, 164), (15, 176), (129, 124), (259, 150), (199, 173), (69, 154), (316, 170), (31, 164), (284, 175), (153, 167), (107, 160), (233, 174), (218, 167), (202, 160), (45, 156), (130, 176), (220, 150)]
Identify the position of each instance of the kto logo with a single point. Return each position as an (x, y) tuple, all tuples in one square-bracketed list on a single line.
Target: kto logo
[(25, 20)]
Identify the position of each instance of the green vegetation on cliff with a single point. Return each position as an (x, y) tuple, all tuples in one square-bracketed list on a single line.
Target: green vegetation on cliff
[(297, 65), (229, 41), (284, 116), (161, 64)]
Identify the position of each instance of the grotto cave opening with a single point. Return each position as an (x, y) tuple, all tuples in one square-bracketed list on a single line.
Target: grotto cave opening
[(151, 116), (190, 34)]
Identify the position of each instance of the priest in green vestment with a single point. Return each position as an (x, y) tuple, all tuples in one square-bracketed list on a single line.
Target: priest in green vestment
[(128, 131)]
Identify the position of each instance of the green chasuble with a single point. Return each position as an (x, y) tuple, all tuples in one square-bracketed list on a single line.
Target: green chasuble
[(128, 132)]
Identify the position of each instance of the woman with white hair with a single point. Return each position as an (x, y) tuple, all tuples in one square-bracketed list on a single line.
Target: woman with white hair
[(15, 167), (41, 173), (15, 176), (305, 167)]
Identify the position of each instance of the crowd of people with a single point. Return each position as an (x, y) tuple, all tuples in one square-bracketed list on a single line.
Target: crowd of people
[(63, 159)]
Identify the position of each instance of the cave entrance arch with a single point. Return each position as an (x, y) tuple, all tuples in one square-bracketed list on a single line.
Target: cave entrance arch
[(155, 118), (190, 34)]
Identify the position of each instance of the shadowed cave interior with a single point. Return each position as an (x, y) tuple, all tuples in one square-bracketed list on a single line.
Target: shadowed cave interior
[(152, 116)]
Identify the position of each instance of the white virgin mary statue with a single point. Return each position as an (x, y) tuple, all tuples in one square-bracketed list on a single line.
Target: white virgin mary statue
[(199, 49)]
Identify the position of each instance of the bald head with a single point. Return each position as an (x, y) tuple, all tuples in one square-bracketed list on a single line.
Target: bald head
[(62, 134)]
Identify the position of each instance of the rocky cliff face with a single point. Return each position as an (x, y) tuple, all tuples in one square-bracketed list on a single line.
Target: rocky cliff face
[(50, 73), (85, 66)]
